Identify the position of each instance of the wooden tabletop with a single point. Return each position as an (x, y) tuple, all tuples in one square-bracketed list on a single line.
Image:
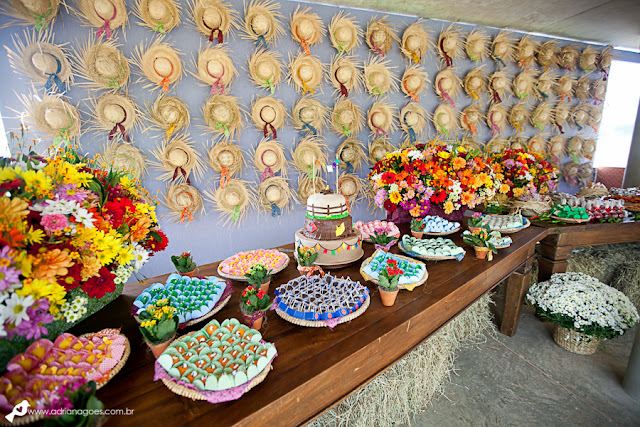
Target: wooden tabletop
[(316, 368)]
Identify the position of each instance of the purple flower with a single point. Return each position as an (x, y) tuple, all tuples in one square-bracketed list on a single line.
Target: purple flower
[(70, 192), (509, 163), (34, 327), (4, 253), (8, 277), (380, 197)]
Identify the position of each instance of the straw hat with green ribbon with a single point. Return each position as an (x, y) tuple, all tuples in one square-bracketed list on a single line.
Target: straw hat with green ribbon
[(55, 116), (537, 144), (497, 119), (580, 115), (226, 159), (574, 146), (306, 28), (170, 114), (378, 148), (416, 41), (350, 153), (449, 46), (378, 79), (262, 22), (471, 118), (526, 52), (564, 87), (344, 33), (380, 119), (223, 116), (269, 159), (542, 115), (499, 87), (265, 69), (305, 73), (477, 45), (215, 69), (496, 145), (414, 81), (39, 13), (547, 55), (345, 75), (583, 88), (445, 120), (557, 147), (115, 114), (380, 36), (233, 201), (524, 84), (598, 90), (503, 49), (160, 64), (517, 142), (561, 115), (475, 83), (124, 157), (588, 58), (275, 195), (104, 15), (268, 115), (346, 119), (546, 84), (214, 19), (178, 159), (161, 16), (519, 116), (308, 186), (568, 58), (183, 202), (310, 155), (102, 65), (351, 187), (413, 119), (447, 86), (309, 116)]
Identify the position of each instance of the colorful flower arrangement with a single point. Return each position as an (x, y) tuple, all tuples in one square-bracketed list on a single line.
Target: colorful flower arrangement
[(522, 174)]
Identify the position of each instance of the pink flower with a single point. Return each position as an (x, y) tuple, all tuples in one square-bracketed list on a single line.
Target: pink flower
[(54, 222)]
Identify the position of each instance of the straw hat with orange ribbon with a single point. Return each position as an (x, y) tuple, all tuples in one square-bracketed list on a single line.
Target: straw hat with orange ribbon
[(598, 90), (223, 115), (309, 116), (519, 116), (105, 15), (603, 63), (305, 73), (497, 119), (233, 201), (547, 55), (345, 75), (449, 46), (447, 85), (564, 87), (380, 36), (475, 83), (116, 114), (588, 58), (580, 115), (54, 116), (416, 41), (170, 114), (350, 186), (414, 81), (556, 147), (517, 142), (265, 69), (178, 159), (269, 159), (102, 65), (308, 186), (542, 115), (445, 120), (39, 13), (378, 148), (344, 33), (568, 58), (161, 16), (275, 195), (588, 149), (262, 22), (380, 119), (524, 84), (309, 156), (227, 159), (561, 115), (583, 88), (159, 63), (215, 69), (350, 153), (183, 202), (496, 145), (346, 119), (477, 45), (526, 52), (268, 115), (413, 119), (306, 28), (546, 84), (471, 117), (378, 79), (124, 157), (537, 144), (595, 117), (503, 49), (498, 87), (214, 19)]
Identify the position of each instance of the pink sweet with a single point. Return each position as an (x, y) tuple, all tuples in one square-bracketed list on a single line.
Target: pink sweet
[(240, 263), (367, 228)]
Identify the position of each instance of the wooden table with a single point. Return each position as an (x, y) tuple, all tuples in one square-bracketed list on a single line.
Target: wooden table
[(316, 367)]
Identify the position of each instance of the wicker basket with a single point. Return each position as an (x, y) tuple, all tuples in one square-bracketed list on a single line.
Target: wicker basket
[(574, 341)]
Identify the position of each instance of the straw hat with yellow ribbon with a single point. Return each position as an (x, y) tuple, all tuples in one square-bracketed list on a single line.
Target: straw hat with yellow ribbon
[(159, 63), (583, 88), (268, 115), (380, 119), (183, 202), (41, 61), (416, 41), (496, 145), (598, 91), (226, 159), (546, 84), (215, 69), (269, 159), (275, 195), (345, 75), (380, 36), (519, 116), (471, 117), (503, 49), (449, 45), (305, 73), (568, 58), (498, 87), (537, 144), (524, 84), (310, 155), (39, 13), (308, 186), (588, 148), (265, 69), (587, 60), (233, 201), (351, 187), (557, 147), (547, 55), (346, 119), (262, 22), (344, 33), (124, 157), (178, 159), (223, 115), (105, 15), (477, 45), (306, 28), (447, 85), (564, 87), (517, 142), (574, 146), (54, 116), (414, 81), (542, 115), (497, 119), (526, 52), (161, 16), (378, 79), (116, 114), (475, 83), (214, 19), (309, 116), (561, 115), (580, 115), (350, 153), (170, 114), (595, 117), (445, 120), (378, 148), (413, 119), (102, 65)]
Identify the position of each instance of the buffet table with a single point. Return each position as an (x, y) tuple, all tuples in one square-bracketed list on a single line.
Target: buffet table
[(317, 367)]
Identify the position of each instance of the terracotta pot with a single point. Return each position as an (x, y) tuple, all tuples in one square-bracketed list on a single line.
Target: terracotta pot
[(265, 287), (191, 273), (257, 324), (158, 349), (472, 229), (417, 234), (482, 252), (388, 297), (303, 270)]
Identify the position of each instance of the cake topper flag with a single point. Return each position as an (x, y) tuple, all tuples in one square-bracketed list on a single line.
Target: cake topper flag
[(312, 227), (339, 230)]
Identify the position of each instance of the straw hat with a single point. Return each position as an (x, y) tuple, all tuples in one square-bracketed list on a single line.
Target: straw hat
[(547, 55), (564, 87), (169, 114), (503, 49), (350, 153), (574, 146), (380, 36), (105, 15), (178, 159), (378, 148), (580, 115), (309, 116), (233, 201), (588, 58), (308, 186), (380, 119), (39, 13), (309, 155), (445, 119), (496, 145), (346, 119), (475, 83), (583, 88), (499, 87), (124, 157), (542, 115), (537, 144), (415, 42), (586, 174), (568, 58), (471, 143), (54, 116), (305, 73), (557, 147), (413, 119), (477, 45), (414, 80), (524, 85), (603, 63), (161, 16), (561, 115), (595, 117), (183, 202), (519, 116), (160, 64), (345, 75), (599, 90), (265, 69), (116, 114), (378, 79), (471, 117), (546, 84), (102, 65), (497, 119), (306, 28), (275, 195), (222, 115), (214, 19), (588, 149), (447, 85), (226, 159), (269, 159), (215, 69), (526, 52), (350, 186), (268, 115), (449, 45), (569, 172), (262, 22), (517, 142), (344, 33)]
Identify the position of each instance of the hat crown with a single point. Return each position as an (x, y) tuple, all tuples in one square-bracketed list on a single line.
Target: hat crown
[(449, 43), (472, 116), (544, 85), (265, 69), (104, 8), (308, 156), (527, 50), (260, 24), (163, 66), (268, 113), (565, 85), (57, 118), (379, 36), (232, 197), (343, 34), (348, 187), (44, 62), (346, 117), (411, 118), (497, 115), (476, 46), (522, 85), (377, 78), (445, 82), (348, 154), (215, 67), (305, 28), (226, 158), (106, 66), (307, 113), (212, 17), (178, 156), (499, 82), (184, 199), (222, 113), (269, 157), (474, 82), (114, 113), (413, 82), (412, 43), (305, 71), (170, 113), (158, 10), (344, 74), (379, 118), (500, 48), (273, 193), (445, 119)]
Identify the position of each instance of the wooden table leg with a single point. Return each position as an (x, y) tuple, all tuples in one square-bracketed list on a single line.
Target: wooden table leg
[(554, 257), (517, 287)]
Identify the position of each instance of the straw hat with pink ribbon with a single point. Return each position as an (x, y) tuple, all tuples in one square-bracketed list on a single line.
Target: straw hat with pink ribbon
[(104, 15)]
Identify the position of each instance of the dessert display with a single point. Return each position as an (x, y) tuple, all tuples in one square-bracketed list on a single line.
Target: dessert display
[(238, 265), (499, 241), (195, 299), (570, 213), (439, 226), (414, 273), (368, 228), (431, 249), (505, 223), (328, 229), (218, 363), (318, 301)]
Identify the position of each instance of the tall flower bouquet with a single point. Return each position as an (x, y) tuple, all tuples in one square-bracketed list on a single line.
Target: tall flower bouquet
[(523, 175)]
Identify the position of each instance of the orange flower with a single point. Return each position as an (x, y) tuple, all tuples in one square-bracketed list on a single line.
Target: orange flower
[(140, 229), (466, 198), (50, 264), (90, 267)]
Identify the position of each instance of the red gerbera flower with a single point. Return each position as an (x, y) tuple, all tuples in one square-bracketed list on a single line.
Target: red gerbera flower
[(97, 287), (389, 206), (388, 177)]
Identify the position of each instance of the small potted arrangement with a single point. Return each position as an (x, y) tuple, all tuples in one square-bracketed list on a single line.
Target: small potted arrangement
[(417, 227), (388, 282), (259, 276), (582, 309), (184, 264), (382, 240), (158, 326), (253, 305), (475, 222), (480, 239), (306, 257), (495, 208)]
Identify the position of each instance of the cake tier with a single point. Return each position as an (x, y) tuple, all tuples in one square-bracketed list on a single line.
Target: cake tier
[(333, 252), (326, 229), (330, 205)]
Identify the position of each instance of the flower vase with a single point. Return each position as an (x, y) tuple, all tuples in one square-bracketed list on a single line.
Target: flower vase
[(417, 234), (474, 229), (388, 297), (253, 320), (304, 270), (574, 341), (264, 287), (191, 273), (158, 349), (483, 252), (386, 247)]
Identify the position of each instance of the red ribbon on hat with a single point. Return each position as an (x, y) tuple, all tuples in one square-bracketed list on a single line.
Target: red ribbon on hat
[(494, 128), (268, 125), (217, 84), (106, 29), (184, 174), (119, 126), (343, 89), (375, 48), (447, 58)]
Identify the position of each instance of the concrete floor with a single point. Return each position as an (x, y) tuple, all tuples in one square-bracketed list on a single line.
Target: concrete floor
[(529, 380)]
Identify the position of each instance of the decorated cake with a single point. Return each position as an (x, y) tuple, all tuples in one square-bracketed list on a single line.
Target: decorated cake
[(502, 223), (328, 230), (438, 247), (238, 265), (368, 228), (414, 273), (436, 224)]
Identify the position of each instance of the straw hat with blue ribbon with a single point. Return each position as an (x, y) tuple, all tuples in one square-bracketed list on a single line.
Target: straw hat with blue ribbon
[(265, 69), (306, 28), (547, 55), (55, 116), (519, 116), (346, 119), (39, 13), (344, 33), (309, 116), (275, 195), (475, 83), (350, 153), (477, 45), (214, 19), (378, 148), (526, 52), (380, 36), (345, 75), (161, 16), (413, 119), (414, 81), (223, 116), (445, 120), (471, 117), (416, 42), (215, 69), (116, 114), (104, 15), (170, 114), (102, 65), (159, 63), (449, 45), (305, 73), (262, 22), (503, 49)]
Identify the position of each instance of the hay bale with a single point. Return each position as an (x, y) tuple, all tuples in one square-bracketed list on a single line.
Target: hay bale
[(627, 280)]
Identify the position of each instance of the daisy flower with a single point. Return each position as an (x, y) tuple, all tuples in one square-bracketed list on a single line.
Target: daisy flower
[(15, 309)]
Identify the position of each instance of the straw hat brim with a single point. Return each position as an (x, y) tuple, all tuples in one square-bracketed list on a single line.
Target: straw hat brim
[(220, 55), (445, 119), (378, 148), (308, 151), (226, 14), (218, 125), (266, 12), (304, 62), (260, 60), (380, 26), (165, 106), (351, 128), (379, 68), (44, 48), (41, 109), (318, 117), (275, 150), (226, 155), (127, 107), (350, 151), (87, 12), (125, 157), (30, 14), (268, 102), (274, 186), (94, 57), (342, 21), (308, 186)]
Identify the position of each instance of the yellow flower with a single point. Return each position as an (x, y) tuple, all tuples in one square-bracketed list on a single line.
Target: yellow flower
[(90, 267), (395, 197), (34, 235), (448, 207), (517, 192), (504, 188), (37, 182), (444, 154), (37, 288), (7, 174)]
